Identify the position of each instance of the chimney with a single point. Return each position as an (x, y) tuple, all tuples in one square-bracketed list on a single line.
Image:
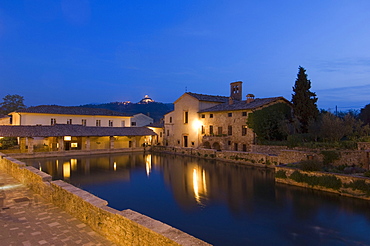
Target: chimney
[(231, 101), (250, 98), (236, 90)]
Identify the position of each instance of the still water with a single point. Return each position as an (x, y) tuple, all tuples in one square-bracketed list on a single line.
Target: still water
[(218, 202)]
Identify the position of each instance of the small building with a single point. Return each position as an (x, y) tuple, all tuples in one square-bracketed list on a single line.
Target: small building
[(214, 122), (53, 114)]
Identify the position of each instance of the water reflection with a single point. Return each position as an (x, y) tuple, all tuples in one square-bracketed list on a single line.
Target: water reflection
[(222, 203)]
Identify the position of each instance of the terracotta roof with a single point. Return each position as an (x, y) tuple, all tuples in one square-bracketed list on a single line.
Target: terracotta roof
[(208, 98), (55, 109), (156, 124), (243, 105), (60, 130)]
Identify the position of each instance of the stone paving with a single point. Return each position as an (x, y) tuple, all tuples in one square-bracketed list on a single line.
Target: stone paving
[(27, 219)]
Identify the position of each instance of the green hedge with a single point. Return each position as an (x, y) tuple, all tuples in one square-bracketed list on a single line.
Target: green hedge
[(327, 181)]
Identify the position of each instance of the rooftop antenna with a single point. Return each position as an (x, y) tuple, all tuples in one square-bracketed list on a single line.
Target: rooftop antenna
[(186, 89)]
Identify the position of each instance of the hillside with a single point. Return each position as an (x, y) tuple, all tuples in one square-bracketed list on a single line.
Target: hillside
[(156, 110)]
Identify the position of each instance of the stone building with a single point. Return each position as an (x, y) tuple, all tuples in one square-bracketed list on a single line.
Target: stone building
[(216, 122), (52, 114)]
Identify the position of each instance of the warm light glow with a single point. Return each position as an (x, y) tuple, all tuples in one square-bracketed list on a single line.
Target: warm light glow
[(199, 184), (67, 138), (1, 137), (114, 166), (197, 124), (74, 145), (148, 164), (66, 170), (74, 164)]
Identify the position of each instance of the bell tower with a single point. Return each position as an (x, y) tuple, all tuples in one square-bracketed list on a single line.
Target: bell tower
[(236, 90)]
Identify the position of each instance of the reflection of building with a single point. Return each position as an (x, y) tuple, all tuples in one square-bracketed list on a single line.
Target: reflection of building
[(196, 181), (215, 122)]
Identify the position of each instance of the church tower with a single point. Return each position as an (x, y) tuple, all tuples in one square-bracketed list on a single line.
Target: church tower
[(236, 90)]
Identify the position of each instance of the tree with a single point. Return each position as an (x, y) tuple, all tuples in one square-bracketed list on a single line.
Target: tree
[(270, 123), (11, 103), (365, 114), (304, 101)]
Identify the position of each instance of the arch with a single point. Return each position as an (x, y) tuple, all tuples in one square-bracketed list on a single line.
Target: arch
[(206, 145), (216, 146)]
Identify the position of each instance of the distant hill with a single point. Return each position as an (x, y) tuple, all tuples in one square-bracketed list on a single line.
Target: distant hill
[(156, 110)]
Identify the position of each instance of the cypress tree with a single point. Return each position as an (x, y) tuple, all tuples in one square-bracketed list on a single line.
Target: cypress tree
[(304, 101)]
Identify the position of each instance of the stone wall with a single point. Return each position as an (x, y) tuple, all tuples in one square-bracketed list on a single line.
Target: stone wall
[(267, 149), (122, 227), (363, 146), (344, 181)]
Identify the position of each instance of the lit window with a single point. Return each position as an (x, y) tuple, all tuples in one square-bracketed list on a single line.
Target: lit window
[(244, 130)]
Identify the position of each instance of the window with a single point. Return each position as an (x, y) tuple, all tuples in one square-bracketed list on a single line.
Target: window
[(98, 122), (244, 148), (211, 130), (244, 113), (244, 130), (53, 121), (203, 116), (110, 123), (192, 143), (83, 122), (133, 123), (160, 134), (229, 114), (228, 142), (170, 119), (235, 146), (123, 123), (210, 115), (203, 130), (186, 117), (168, 132), (229, 130), (69, 122), (219, 130)]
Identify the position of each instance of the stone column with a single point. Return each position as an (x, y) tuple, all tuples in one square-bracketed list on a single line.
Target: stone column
[(111, 142), (61, 144), (134, 142), (88, 143), (22, 144), (30, 145)]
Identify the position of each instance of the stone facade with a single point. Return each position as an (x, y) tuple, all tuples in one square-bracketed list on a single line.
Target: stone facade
[(214, 122)]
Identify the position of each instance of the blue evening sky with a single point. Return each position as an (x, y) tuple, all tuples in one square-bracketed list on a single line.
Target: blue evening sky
[(73, 52)]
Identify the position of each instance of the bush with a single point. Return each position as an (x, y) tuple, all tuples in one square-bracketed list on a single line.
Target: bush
[(367, 174), (330, 156), (281, 174), (311, 165), (327, 181), (359, 185), (8, 142)]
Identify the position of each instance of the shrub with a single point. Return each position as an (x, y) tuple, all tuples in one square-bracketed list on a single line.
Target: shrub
[(330, 156), (327, 181), (8, 142), (281, 174), (367, 174), (311, 165), (359, 185)]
